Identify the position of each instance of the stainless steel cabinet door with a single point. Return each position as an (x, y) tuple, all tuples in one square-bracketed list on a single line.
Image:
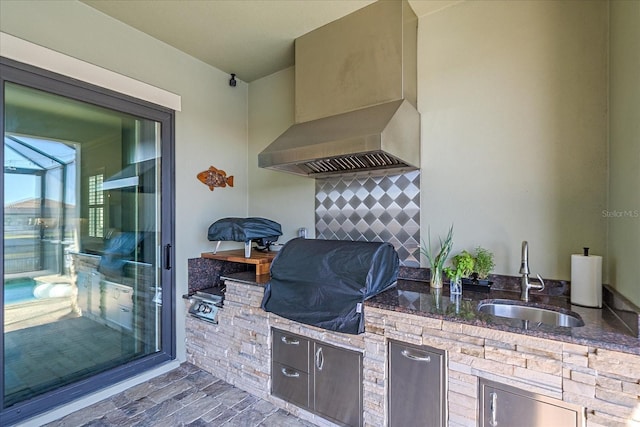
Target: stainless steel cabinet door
[(503, 405), (338, 384), (416, 386)]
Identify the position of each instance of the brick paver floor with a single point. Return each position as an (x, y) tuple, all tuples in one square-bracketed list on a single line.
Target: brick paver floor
[(185, 396)]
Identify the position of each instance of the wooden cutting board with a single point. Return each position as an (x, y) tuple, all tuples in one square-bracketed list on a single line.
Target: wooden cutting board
[(262, 260)]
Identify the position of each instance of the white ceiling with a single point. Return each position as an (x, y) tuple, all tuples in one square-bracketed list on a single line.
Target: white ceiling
[(251, 38)]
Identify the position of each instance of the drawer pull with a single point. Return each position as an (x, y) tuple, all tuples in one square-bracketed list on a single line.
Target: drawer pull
[(289, 341), (286, 373), (409, 355)]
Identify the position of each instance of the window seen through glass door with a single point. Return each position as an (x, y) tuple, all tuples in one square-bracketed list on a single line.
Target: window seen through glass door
[(96, 208)]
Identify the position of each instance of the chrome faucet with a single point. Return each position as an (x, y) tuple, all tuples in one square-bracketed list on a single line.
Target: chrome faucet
[(525, 285)]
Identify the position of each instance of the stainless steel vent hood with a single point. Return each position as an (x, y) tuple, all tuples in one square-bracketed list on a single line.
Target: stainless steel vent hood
[(355, 96)]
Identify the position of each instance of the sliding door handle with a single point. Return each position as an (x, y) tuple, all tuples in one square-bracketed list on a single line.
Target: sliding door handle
[(167, 256)]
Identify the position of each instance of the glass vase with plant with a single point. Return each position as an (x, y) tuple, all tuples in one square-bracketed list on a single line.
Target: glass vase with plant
[(462, 266), (437, 259)]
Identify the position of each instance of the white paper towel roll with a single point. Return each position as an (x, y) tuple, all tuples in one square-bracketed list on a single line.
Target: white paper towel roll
[(586, 280)]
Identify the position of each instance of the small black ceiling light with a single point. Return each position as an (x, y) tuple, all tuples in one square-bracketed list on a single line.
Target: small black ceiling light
[(232, 80)]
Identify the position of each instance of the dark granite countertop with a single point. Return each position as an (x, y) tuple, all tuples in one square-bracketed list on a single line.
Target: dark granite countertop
[(248, 278), (602, 328)]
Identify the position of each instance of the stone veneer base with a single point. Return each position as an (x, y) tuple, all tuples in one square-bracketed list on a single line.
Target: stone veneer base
[(238, 350)]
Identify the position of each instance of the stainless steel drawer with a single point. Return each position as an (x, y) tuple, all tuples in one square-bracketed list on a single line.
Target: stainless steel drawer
[(290, 384), (291, 350)]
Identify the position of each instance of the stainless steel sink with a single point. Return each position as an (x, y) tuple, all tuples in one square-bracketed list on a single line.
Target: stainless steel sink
[(531, 314)]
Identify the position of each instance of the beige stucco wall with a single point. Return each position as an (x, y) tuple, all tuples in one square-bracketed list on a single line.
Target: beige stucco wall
[(513, 104), (623, 211), (211, 129), (285, 198)]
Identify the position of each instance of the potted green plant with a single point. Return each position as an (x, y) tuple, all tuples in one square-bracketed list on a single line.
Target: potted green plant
[(437, 259), (462, 266), (484, 265)]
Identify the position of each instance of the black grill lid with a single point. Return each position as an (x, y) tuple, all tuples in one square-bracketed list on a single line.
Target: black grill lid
[(324, 282)]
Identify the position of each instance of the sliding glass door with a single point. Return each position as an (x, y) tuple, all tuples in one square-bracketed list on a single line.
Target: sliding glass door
[(86, 239)]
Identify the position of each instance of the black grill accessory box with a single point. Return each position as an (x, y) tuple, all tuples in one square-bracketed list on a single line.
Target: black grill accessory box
[(261, 230)]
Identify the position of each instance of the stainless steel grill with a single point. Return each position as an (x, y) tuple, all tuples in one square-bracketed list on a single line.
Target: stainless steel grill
[(324, 283), (205, 304)]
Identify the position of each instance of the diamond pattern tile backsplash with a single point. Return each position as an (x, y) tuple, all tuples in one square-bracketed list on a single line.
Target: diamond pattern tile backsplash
[(374, 209)]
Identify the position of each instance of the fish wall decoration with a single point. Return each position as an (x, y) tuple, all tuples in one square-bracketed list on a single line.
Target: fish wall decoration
[(214, 177)]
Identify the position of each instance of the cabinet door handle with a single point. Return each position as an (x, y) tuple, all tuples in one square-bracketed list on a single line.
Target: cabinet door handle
[(494, 409), (409, 355), (286, 373), (289, 341), (319, 359)]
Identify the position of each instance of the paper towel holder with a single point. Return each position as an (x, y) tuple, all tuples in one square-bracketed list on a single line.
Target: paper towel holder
[(586, 279)]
